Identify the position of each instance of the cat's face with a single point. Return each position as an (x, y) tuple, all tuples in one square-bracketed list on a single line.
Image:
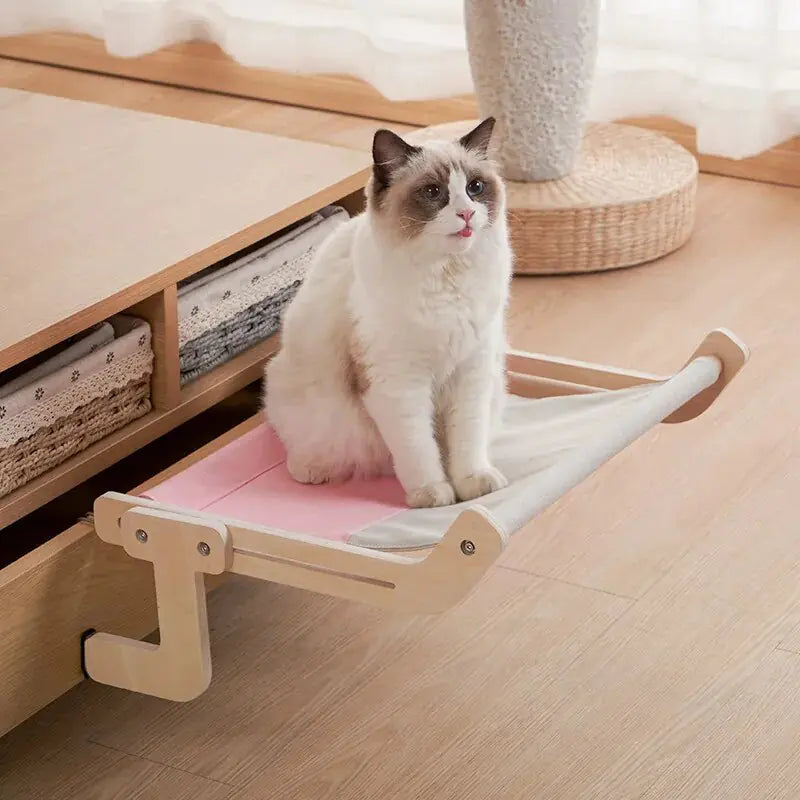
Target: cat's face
[(441, 196)]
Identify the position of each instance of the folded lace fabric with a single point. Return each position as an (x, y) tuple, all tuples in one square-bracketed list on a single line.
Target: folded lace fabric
[(223, 313), (66, 407)]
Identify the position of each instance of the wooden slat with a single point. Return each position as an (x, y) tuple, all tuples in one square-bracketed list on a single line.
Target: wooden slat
[(555, 368), (161, 311), (533, 387)]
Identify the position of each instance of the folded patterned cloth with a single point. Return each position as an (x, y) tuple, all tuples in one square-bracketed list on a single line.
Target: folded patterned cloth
[(57, 357), (223, 313), (235, 262), (74, 400), (233, 336), (45, 400)]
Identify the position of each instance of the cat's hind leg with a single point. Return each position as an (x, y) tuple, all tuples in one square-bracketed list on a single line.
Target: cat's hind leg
[(326, 432)]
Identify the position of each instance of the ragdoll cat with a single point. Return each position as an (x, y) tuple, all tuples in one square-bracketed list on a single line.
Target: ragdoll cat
[(393, 349)]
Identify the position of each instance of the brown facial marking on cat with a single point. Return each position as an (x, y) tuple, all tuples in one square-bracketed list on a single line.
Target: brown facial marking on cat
[(423, 197)]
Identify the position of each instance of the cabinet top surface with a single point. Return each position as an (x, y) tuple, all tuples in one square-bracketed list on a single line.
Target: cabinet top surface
[(101, 207)]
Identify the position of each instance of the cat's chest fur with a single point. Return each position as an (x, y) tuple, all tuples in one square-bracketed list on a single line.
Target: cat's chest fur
[(455, 306), (434, 317)]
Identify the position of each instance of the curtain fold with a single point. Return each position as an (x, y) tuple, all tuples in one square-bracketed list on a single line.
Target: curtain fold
[(731, 68)]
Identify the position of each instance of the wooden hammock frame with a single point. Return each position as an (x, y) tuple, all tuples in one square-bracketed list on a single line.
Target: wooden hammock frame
[(184, 546)]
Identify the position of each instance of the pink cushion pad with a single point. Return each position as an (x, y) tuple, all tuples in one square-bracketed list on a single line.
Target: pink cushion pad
[(247, 480)]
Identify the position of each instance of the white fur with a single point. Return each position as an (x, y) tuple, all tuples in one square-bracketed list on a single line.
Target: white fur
[(426, 320)]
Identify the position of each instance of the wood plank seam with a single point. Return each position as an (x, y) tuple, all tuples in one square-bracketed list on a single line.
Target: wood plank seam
[(566, 582)]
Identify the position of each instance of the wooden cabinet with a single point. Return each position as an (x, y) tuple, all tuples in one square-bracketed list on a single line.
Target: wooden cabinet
[(104, 210)]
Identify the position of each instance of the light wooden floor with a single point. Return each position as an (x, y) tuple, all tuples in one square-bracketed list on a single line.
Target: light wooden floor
[(640, 640)]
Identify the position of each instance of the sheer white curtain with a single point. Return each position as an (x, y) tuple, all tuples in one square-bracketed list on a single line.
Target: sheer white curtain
[(729, 67), (407, 49)]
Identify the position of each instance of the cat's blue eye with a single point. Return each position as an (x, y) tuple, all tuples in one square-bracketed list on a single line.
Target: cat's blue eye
[(432, 191), (475, 187)]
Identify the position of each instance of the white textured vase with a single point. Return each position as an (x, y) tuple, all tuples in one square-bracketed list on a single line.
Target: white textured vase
[(532, 64)]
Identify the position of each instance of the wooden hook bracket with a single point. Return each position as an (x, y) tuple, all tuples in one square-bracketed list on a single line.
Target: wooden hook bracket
[(182, 550)]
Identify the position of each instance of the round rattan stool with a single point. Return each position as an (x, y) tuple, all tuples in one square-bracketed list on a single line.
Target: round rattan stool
[(629, 200)]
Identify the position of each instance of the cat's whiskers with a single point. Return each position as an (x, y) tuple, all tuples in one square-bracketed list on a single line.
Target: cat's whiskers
[(408, 222)]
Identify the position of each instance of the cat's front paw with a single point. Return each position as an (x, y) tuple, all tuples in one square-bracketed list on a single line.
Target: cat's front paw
[(304, 471), (431, 495), (479, 483)]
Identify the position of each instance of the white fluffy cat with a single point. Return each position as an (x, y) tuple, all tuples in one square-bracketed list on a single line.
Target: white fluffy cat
[(393, 349)]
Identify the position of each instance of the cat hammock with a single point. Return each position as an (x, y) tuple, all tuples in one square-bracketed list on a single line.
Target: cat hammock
[(565, 418)]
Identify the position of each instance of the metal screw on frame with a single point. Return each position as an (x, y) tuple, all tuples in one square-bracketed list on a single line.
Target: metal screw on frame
[(203, 548), (468, 547), (141, 535)]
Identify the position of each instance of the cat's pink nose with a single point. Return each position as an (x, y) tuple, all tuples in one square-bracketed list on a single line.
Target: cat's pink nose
[(466, 214)]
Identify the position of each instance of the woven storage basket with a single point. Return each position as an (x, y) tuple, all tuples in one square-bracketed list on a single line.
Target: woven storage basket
[(64, 411), (240, 303), (630, 199)]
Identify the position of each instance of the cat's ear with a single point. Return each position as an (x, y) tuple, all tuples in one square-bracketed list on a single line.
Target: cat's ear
[(389, 152), (479, 137)]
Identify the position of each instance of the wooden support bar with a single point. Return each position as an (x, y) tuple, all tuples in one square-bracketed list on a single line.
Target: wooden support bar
[(536, 388), (570, 371), (161, 311), (416, 585)]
